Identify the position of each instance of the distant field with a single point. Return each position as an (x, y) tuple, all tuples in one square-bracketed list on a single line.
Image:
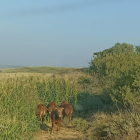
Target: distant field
[(52, 70)]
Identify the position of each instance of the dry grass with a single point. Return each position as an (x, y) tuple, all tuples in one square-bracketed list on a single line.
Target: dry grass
[(53, 70), (26, 75), (42, 73), (121, 126)]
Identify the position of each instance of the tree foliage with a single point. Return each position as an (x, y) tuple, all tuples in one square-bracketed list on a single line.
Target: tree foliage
[(121, 65)]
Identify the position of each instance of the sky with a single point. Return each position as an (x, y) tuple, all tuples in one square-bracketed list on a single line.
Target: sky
[(64, 33)]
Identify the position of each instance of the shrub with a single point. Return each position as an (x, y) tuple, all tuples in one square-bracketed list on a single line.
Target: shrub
[(115, 126), (80, 124)]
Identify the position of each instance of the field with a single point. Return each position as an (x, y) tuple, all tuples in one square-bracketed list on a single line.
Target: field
[(21, 91), (51, 70), (96, 115)]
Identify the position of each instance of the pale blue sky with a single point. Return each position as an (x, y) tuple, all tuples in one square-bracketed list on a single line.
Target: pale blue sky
[(64, 33)]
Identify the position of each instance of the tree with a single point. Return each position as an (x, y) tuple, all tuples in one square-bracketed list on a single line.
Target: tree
[(120, 65)]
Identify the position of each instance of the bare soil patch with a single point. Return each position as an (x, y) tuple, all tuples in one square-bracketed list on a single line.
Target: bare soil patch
[(66, 133)]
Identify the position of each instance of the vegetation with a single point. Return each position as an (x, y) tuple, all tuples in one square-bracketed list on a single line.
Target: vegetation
[(105, 96), (51, 70), (17, 106), (117, 71), (19, 97)]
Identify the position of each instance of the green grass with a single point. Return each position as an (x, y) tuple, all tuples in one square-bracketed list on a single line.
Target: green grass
[(18, 103), (19, 97)]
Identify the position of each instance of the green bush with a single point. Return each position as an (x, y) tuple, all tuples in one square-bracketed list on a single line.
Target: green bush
[(80, 124), (119, 67)]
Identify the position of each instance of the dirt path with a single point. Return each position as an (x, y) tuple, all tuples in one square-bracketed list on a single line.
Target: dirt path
[(66, 133)]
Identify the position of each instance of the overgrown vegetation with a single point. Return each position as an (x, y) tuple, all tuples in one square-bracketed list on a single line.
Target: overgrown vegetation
[(18, 108), (117, 71), (58, 89), (19, 97), (106, 95)]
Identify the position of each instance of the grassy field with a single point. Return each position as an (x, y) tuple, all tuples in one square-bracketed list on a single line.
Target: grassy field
[(52, 70), (21, 91), (96, 116)]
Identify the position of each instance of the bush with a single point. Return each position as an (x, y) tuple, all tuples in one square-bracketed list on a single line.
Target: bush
[(115, 126), (80, 124)]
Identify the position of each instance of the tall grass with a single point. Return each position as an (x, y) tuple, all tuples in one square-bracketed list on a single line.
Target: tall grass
[(57, 89), (19, 96), (18, 107)]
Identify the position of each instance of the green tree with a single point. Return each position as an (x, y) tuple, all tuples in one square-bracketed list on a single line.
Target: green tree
[(120, 65), (137, 48)]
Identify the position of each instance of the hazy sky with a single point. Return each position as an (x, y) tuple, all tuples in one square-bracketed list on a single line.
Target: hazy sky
[(64, 33)]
